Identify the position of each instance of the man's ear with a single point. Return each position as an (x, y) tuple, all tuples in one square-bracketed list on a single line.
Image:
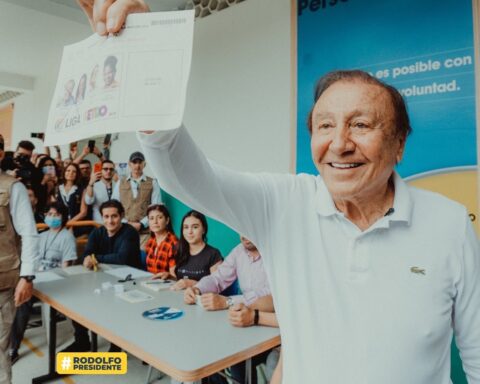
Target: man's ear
[(401, 150)]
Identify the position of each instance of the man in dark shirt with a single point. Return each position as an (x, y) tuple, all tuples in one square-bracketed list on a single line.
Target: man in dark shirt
[(114, 243)]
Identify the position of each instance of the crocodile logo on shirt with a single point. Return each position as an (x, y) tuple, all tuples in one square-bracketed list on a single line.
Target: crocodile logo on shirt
[(418, 270)]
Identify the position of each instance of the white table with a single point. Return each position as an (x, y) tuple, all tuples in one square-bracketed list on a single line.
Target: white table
[(189, 348)]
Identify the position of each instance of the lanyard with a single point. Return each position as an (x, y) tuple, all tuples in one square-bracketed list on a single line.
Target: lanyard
[(109, 192)]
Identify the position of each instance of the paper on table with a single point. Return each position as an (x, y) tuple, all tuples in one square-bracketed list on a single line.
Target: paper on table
[(134, 296), (136, 80), (122, 272), (43, 277), (157, 285)]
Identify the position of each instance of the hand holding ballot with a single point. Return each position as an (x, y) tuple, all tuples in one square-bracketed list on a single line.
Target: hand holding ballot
[(133, 79), (107, 16)]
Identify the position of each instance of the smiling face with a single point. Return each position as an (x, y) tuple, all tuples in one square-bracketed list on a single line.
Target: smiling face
[(193, 230), (108, 75), (354, 143), (70, 173), (112, 220)]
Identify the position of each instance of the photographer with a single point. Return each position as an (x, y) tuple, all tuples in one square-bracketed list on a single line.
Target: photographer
[(21, 167)]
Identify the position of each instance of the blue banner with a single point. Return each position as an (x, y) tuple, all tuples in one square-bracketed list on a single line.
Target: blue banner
[(424, 48)]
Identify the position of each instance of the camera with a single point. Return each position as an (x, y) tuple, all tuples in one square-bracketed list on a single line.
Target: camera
[(23, 166)]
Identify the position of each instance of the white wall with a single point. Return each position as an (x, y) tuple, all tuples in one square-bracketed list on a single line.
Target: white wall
[(238, 105), (31, 44)]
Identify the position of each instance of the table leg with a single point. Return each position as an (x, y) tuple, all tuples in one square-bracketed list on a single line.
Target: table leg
[(248, 371), (52, 346), (94, 342)]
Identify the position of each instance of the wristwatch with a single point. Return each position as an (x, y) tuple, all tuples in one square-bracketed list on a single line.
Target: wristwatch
[(229, 302), (29, 278), (256, 317)]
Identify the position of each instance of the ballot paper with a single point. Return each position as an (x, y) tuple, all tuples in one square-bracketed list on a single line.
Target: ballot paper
[(157, 284), (134, 296), (134, 80), (123, 272)]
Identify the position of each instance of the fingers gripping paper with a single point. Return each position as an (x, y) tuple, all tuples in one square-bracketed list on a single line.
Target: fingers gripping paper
[(136, 80)]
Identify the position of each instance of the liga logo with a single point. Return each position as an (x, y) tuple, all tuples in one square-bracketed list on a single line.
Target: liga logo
[(92, 363)]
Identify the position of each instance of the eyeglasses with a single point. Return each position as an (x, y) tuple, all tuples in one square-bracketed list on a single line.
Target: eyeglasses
[(108, 169)]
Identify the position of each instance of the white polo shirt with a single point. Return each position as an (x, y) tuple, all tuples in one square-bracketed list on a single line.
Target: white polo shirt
[(371, 307)]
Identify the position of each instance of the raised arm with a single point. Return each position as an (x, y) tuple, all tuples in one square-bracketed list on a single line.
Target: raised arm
[(237, 199)]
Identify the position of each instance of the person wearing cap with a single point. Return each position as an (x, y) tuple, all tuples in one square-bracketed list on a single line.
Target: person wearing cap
[(137, 192), (17, 260)]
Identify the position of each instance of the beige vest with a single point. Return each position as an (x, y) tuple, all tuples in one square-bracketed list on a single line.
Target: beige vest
[(136, 209), (9, 240)]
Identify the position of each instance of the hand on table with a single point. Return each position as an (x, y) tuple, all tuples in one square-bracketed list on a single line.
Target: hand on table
[(88, 262), (213, 301), (190, 295), (240, 315), (182, 284), (161, 275), (108, 16)]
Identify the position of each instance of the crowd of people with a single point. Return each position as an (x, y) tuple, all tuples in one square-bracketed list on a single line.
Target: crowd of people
[(133, 227)]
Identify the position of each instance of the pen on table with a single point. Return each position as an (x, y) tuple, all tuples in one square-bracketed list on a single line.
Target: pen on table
[(95, 262), (157, 281)]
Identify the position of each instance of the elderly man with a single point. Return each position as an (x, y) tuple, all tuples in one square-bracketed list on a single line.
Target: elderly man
[(371, 277)]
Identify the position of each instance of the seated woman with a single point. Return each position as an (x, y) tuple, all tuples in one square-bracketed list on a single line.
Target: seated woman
[(194, 258), (57, 248), (70, 195), (162, 244)]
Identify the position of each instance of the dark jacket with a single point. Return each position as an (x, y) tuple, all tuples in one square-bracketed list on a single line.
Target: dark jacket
[(122, 248)]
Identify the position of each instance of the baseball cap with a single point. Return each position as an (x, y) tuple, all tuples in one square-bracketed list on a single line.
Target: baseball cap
[(137, 156)]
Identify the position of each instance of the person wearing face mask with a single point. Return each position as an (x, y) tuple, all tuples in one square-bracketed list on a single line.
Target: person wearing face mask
[(57, 248), (49, 184)]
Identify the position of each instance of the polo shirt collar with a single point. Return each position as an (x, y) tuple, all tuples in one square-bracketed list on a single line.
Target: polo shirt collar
[(323, 200), (402, 202), (142, 178)]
